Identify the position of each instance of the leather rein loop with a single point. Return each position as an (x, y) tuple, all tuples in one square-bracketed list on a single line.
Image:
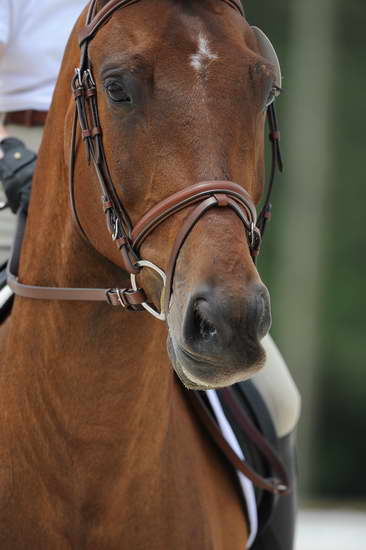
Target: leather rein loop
[(278, 485)]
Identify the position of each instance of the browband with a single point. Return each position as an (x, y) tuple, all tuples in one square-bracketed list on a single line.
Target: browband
[(96, 20)]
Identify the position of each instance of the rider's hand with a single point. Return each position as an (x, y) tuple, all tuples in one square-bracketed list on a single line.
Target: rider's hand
[(16, 172)]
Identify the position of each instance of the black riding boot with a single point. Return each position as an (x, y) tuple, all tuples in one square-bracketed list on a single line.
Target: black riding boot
[(279, 532)]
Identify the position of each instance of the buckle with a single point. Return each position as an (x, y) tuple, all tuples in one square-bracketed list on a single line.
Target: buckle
[(115, 229), (115, 297), (155, 313), (255, 240), (119, 297), (77, 81), (88, 78)]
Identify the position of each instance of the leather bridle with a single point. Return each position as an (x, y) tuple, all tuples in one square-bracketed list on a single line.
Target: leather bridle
[(128, 239)]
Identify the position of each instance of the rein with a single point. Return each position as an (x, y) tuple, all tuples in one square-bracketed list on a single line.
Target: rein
[(201, 197)]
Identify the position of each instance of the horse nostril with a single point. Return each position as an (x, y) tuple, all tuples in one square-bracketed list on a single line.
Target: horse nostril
[(213, 321), (205, 328)]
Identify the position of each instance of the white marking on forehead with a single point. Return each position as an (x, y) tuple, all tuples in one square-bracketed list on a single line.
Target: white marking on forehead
[(204, 56)]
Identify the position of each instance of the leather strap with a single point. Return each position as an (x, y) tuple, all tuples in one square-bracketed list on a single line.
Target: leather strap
[(99, 19), (277, 164), (236, 4), (27, 118), (273, 485), (96, 21), (126, 298), (245, 213), (186, 197), (227, 395)]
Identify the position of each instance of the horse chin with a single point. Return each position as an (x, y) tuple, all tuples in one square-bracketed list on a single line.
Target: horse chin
[(203, 375)]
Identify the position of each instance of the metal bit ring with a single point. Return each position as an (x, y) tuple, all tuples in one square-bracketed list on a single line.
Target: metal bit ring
[(145, 263)]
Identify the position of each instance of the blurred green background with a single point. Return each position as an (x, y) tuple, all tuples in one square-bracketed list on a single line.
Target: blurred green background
[(314, 261)]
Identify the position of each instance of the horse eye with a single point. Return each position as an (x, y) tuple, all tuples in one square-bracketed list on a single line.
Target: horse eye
[(117, 93)]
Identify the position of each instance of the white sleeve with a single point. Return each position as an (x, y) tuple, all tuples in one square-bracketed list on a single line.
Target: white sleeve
[(4, 21)]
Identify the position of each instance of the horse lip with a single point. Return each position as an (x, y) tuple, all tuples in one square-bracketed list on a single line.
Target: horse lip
[(177, 356), (203, 361), (196, 358), (198, 373)]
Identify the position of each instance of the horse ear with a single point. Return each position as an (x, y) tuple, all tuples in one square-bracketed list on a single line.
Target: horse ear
[(268, 52)]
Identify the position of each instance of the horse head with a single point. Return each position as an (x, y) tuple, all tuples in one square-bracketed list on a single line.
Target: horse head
[(182, 94)]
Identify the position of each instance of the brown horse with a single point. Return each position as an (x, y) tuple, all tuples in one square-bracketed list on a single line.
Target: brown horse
[(98, 447)]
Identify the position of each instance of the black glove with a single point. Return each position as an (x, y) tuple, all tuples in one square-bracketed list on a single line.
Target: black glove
[(16, 172)]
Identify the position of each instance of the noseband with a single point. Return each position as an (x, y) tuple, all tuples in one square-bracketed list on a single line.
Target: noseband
[(200, 197)]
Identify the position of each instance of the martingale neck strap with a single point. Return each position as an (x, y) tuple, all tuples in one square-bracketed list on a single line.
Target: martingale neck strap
[(127, 298)]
